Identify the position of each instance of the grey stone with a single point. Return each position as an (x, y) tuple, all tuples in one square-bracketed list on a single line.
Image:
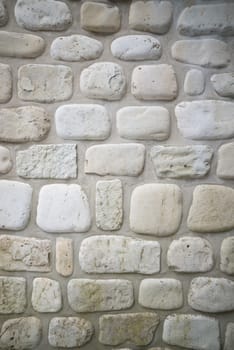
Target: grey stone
[(5, 160), (6, 81), (4, 17), (194, 82), (12, 295), (225, 166), (46, 295), (223, 84), (64, 256), (227, 256), (229, 337)]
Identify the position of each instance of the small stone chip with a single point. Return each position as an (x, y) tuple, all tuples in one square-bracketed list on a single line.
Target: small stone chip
[(46, 295)]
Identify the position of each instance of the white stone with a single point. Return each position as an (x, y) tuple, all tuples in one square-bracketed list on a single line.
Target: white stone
[(161, 293), (15, 205), (212, 209), (24, 254), (63, 208), (151, 16), (194, 82), (6, 80), (154, 82), (47, 162), (115, 159), (143, 123), (208, 294), (181, 161), (76, 48), (82, 122), (12, 295), (85, 295), (64, 256), (3, 13), (138, 328), (225, 166), (46, 295), (227, 256), (42, 15), (23, 124), (205, 119), (192, 331), (209, 53), (109, 205), (190, 254), (5, 160), (103, 80), (229, 337), (119, 254), (151, 206), (223, 84), (136, 48), (69, 332)]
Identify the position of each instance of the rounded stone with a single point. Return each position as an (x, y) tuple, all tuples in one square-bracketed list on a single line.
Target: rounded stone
[(194, 82), (5, 160)]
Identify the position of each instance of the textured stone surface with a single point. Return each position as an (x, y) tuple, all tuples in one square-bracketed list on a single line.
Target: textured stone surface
[(85, 295), (162, 294), (229, 337), (46, 295), (103, 80), (64, 256), (151, 205), (5, 160), (44, 82), (143, 123), (223, 84), (115, 159), (119, 254), (47, 162), (82, 122), (206, 119), (3, 13), (63, 208), (225, 166), (194, 82), (181, 161), (12, 295), (15, 205), (227, 256), (154, 82), (6, 80)]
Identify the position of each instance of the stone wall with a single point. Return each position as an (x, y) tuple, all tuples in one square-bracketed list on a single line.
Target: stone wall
[(116, 185)]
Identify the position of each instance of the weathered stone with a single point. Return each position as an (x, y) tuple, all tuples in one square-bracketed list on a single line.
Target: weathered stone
[(210, 53), (212, 209), (63, 208), (194, 82), (47, 162), (21, 333), (64, 256), (192, 332), (15, 205), (6, 81), (100, 17), (23, 124), (139, 328), (223, 84), (119, 254), (207, 19), (5, 160), (83, 122), (24, 254), (136, 48), (151, 205), (208, 294), (69, 332), (151, 16), (44, 82), (76, 48), (143, 123), (109, 204), (181, 161), (154, 82), (42, 15), (3, 13), (46, 295), (190, 254), (115, 159), (225, 166), (103, 80), (12, 295), (227, 256), (162, 294), (229, 337), (85, 295), (206, 119)]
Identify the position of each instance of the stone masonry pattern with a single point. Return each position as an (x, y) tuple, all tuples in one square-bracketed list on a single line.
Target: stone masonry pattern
[(117, 174)]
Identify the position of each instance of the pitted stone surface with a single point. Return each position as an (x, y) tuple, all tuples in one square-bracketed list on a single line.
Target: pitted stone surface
[(161, 293), (208, 294), (6, 81), (212, 209), (76, 48), (63, 208), (227, 256), (138, 328), (42, 15), (5, 160), (85, 295), (225, 166), (143, 123), (194, 82), (47, 162), (151, 205), (64, 256), (82, 122), (3, 13), (46, 295), (229, 337), (69, 332), (154, 82), (119, 254), (103, 80), (12, 295), (15, 205), (223, 84)]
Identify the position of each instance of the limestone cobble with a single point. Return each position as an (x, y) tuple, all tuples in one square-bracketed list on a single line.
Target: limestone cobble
[(64, 256), (6, 162), (227, 255), (223, 84), (6, 82), (12, 295), (225, 168), (194, 82), (46, 295)]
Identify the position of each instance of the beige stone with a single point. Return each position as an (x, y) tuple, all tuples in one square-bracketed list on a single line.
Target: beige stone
[(12, 295), (64, 256), (46, 295)]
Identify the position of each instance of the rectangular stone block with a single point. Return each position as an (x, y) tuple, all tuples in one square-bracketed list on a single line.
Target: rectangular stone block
[(13, 298), (6, 81), (64, 256)]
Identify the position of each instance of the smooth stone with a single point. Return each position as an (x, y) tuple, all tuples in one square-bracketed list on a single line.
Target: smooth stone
[(6, 81), (5, 160), (12, 295), (194, 82), (229, 337), (64, 256), (4, 17), (223, 84), (225, 166), (227, 256), (46, 295)]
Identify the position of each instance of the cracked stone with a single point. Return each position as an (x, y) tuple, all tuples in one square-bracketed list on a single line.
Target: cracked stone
[(46, 295)]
